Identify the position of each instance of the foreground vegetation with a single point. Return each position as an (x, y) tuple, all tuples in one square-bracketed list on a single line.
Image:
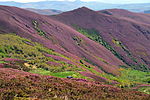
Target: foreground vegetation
[(19, 85)]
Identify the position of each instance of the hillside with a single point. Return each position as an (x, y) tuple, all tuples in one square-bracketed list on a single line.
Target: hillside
[(58, 37), (23, 54), (45, 11), (128, 37)]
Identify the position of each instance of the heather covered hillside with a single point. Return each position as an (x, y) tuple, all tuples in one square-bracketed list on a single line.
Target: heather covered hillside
[(124, 33), (58, 37), (23, 54)]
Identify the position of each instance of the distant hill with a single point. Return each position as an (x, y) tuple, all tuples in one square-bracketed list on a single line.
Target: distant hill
[(124, 14), (60, 5), (45, 11), (70, 5), (139, 7), (147, 11)]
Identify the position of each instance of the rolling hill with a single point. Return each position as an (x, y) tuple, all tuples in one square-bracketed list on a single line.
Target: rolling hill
[(45, 11)]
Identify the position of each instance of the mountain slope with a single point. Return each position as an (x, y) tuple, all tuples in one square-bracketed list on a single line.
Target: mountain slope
[(129, 38), (57, 36)]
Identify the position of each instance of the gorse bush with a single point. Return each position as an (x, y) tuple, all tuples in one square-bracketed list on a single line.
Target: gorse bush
[(36, 27)]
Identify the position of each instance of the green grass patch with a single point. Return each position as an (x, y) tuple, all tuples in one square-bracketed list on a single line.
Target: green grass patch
[(135, 76), (144, 89), (1, 62), (130, 78), (59, 74)]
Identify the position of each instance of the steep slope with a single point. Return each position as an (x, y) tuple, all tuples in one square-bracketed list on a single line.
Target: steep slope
[(58, 37), (45, 11), (129, 39)]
